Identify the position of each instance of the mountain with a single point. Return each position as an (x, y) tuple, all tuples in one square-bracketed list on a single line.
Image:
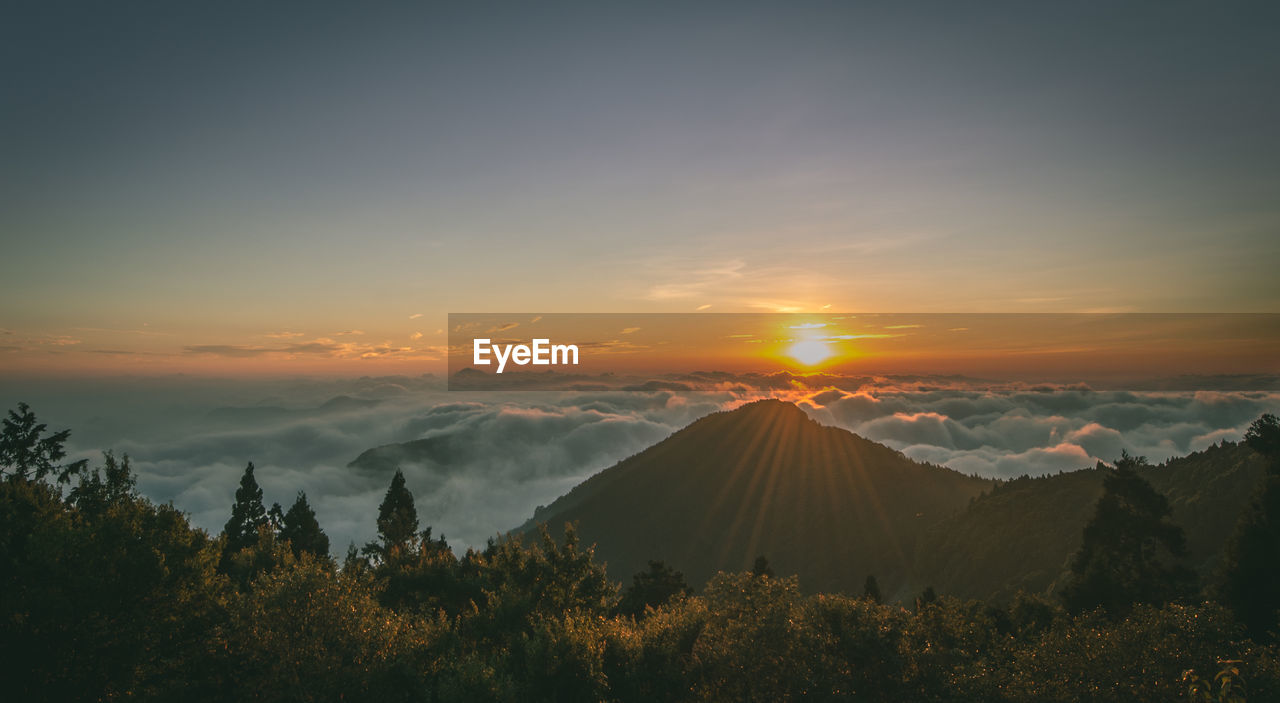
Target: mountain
[(1023, 534), (765, 479), (240, 415)]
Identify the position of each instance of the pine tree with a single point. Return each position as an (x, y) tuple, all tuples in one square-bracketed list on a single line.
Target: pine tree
[(1128, 548), (1250, 580), (761, 567), (275, 518), (397, 518), (303, 530), (871, 589), (25, 453), (926, 598), (247, 514), (652, 588)]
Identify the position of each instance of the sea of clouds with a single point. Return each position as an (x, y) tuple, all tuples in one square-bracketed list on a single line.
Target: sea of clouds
[(499, 455)]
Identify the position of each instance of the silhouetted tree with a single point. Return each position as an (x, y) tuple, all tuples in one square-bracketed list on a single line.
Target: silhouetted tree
[(303, 531), (761, 567), (1263, 437), (397, 519), (26, 454), (275, 517), (1127, 548), (871, 589), (247, 514), (1250, 580), (109, 486), (928, 597), (652, 588)]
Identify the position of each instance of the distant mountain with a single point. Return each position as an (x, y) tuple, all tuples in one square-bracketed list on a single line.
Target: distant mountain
[(765, 479), (240, 415), (1023, 534)]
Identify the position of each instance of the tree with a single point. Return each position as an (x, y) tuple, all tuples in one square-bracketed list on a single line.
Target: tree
[(397, 519), (303, 531), (871, 589), (1263, 437), (106, 596), (652, 588), (927, 597), (761, 567), (1128, 546), (26, 454), (103, 488), (275, 518), (247, 514), (1250, 580)]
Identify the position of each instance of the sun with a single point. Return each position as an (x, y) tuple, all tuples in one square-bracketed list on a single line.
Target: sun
[(810, 351)]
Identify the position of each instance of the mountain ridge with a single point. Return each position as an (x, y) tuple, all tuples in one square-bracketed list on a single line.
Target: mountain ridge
[(764, 479)]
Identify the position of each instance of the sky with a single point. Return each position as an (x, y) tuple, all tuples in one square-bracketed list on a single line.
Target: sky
[(250, 188)]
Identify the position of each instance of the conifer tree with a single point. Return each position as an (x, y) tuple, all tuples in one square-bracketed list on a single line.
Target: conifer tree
[(303, 530), (1250, 580), (761, 567), (26, 453), (247, 514), (397, 518), (652, 588), (871, 589), (1130, 548)]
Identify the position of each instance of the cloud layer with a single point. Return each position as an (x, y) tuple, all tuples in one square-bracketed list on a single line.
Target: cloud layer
[(490, 458)]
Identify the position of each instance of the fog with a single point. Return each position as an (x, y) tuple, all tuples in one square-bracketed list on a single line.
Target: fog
[(494, 457)]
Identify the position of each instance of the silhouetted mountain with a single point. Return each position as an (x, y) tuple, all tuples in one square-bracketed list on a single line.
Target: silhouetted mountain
[(442, 454), (1023, 534), (239, 415), (765, 479)]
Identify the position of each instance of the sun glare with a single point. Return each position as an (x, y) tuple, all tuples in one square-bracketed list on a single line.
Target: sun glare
[(810, 351)]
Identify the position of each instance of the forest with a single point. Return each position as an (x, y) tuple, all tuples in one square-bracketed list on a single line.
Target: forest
[(106, 595)]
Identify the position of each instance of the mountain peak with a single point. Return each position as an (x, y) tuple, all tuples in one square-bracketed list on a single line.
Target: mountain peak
[(769, 406), (764, 479)]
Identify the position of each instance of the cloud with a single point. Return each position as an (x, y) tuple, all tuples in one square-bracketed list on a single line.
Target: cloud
[(415, 316), (285, 335), (491, 457), (322, 346), (415, 336), (629, 330)]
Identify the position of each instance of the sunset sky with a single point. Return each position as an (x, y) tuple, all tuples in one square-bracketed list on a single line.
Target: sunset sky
[(243, 189)]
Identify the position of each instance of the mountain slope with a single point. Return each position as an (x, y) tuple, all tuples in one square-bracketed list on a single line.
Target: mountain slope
[(1023, 535), (765, 479)]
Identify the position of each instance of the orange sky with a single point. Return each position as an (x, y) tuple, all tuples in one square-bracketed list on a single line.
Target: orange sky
[(1024, 346)]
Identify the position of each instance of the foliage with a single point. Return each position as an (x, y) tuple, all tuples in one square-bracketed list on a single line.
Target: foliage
[(871, 589), (300, 527), (107, 596), (652, 588), (1127, 546), (397, 520), (1263, 437), (1250, 580), (1226, 686), (26, 453), (248, 516)]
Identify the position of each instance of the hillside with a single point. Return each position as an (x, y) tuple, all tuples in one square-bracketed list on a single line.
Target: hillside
[(765, 479), (1023, 534)]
